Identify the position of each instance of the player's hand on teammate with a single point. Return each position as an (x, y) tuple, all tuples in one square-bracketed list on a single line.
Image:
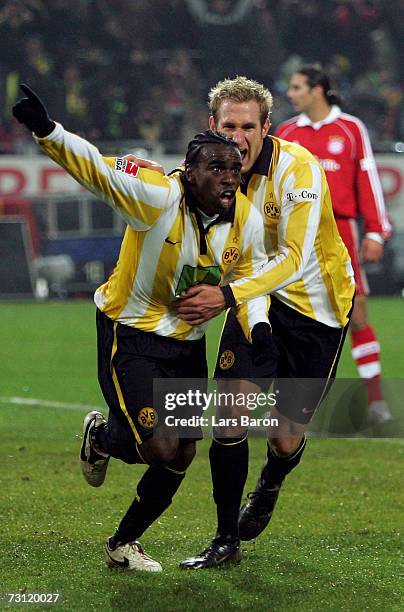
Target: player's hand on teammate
[(371, 251), (145, 163), (32, 112), (200, 303), (263, 347)]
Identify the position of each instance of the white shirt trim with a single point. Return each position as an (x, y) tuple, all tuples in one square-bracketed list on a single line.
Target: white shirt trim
[(304, 120), (375, 236)]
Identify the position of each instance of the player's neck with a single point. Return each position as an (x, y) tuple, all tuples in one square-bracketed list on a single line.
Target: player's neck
[(318, 111)]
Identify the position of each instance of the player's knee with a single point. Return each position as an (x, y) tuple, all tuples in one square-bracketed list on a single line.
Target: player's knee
[(160, 451), (184, 457), (358, 324), (187, 453), (284, 446)]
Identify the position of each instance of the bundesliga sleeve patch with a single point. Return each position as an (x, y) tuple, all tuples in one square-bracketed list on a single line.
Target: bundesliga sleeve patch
[(126, 166)]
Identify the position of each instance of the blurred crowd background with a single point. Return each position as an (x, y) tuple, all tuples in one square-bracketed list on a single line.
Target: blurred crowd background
[(140, 70), (134, 75)]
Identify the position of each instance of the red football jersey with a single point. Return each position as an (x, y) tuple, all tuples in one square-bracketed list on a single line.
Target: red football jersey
[(341, 144)]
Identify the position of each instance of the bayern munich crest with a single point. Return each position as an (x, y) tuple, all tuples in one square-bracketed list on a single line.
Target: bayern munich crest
[(335, 145)]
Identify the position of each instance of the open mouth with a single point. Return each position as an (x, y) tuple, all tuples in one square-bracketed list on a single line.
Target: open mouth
[(227, 197), (243, 153)]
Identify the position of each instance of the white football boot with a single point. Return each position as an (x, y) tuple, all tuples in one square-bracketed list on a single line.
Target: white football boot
[(130, 556), (378, 412), (93, 463)]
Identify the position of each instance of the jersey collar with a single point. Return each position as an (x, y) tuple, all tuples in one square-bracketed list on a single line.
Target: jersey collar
[(304, 120), (261, 165)]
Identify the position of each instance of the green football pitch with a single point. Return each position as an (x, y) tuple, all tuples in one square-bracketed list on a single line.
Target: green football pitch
[(335, 541)]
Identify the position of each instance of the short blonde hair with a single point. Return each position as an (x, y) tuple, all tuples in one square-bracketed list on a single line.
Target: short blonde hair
[(240, 89)]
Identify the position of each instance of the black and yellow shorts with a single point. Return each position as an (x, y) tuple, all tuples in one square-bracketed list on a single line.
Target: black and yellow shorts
[(128, 361), (304, 350)]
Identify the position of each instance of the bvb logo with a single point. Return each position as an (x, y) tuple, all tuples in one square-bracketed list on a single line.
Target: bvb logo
[(230, 255), (147, 417), (226, 360), (271, 209)]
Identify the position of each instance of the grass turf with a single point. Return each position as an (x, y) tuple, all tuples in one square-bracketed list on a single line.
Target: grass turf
[(334, 541)]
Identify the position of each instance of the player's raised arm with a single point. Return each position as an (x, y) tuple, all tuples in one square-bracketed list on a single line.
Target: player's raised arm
[(138, 195), (145, 163)]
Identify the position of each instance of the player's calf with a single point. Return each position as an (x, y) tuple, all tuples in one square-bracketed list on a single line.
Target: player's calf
[(257, 512)]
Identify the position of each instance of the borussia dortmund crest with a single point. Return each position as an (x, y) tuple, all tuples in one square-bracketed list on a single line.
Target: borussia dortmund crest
[(147, 417), (230, 255), (226, 360)]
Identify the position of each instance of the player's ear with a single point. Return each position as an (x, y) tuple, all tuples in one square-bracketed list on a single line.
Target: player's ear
[(188, 174), (212, 125), (265, 127), (318, 90)]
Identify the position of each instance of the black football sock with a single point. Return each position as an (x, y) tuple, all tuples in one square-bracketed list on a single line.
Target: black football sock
[(277, 468), (155, 491), (229, 469)]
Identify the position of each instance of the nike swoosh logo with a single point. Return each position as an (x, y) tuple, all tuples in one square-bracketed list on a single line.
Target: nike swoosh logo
[(171, 242), (306, 411), (124, 563)]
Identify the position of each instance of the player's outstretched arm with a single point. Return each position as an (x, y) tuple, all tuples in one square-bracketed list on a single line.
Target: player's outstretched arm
[(145, 163), (139, 196), (32, 112)]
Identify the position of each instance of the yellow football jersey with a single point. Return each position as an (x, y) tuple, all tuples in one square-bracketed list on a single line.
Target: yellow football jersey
[(165, 249), (309, 268)]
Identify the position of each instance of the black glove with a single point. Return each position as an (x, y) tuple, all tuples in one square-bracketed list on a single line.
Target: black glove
[(33, 114), (263, 347)]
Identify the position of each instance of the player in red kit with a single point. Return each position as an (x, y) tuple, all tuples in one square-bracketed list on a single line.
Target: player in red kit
[(341, 144)]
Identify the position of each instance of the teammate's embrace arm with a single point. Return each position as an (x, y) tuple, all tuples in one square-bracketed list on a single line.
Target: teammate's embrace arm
[(252, 259), (139, 195), (301, 200)]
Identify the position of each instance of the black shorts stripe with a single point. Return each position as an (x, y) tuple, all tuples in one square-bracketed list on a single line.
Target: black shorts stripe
[(120, 396)]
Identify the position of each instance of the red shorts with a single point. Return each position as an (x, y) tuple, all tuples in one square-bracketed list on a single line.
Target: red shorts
[(348, 229)]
